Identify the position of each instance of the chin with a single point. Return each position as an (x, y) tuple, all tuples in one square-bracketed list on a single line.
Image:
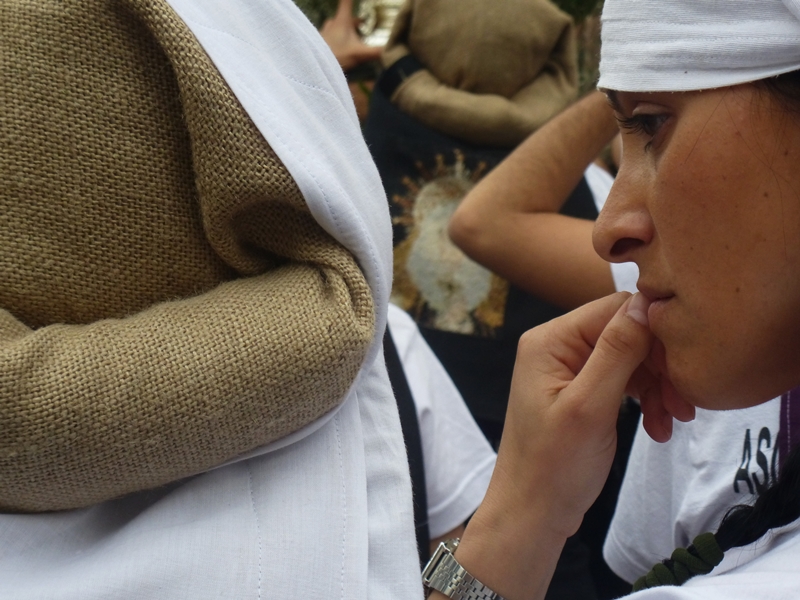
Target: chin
[(702, 389), (727, 375)]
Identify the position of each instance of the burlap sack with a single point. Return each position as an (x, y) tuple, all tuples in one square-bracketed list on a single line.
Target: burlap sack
[(167, 300), (495, 71)]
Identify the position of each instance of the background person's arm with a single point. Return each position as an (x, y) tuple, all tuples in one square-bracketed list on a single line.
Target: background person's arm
[(510, 223), (341, 35)]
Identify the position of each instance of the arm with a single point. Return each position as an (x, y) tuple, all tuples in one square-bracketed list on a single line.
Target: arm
[(491, 77), (509, 221), (484, 119), (342, 37), (91, 412), (127, 360), (568, 378)]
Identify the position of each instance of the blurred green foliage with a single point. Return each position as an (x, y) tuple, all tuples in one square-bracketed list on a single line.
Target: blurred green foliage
[(318, 11), (579, 9)]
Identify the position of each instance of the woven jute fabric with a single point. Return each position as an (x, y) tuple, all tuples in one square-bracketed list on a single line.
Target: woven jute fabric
[(495, 71), (167, 300)]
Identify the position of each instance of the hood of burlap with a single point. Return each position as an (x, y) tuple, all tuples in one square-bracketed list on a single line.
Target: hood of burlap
[(168, 301), (495, 71)]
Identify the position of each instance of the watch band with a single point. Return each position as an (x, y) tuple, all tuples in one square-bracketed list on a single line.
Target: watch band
[(444, 574)]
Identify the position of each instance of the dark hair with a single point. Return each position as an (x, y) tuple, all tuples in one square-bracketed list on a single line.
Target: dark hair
[(784, 88), (776, 506)]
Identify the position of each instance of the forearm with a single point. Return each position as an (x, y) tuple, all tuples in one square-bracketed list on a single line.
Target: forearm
[(513, 559), (558, 442), (539, 175), (481, 119), (91, 412), (508, 222)]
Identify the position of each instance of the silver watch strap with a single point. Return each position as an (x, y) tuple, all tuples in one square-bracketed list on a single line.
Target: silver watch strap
[(444, 574)]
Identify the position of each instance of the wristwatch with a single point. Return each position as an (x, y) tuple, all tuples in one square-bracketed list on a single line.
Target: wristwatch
[(445, 575)]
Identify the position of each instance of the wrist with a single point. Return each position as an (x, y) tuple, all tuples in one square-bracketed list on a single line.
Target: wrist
[(445, 574), (512, 552)]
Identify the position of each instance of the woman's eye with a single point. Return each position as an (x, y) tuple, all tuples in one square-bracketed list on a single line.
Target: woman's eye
[(645, 123)]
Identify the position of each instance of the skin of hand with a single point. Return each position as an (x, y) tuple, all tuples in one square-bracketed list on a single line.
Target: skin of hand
[(342, 37), (559, 440), (509, 221), (453, 533)]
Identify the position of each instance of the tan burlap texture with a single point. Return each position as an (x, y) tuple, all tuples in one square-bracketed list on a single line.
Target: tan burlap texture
[(167, 300), (495, 71)]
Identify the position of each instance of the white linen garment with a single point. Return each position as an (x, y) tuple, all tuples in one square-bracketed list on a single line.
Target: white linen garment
[(325, 513)]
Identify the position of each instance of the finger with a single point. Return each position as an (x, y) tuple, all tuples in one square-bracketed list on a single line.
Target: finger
[(621, 347), (670, 397), (570, 340), (345, 9), (674, 403), (645, 386), (657, 422), (659, 400)]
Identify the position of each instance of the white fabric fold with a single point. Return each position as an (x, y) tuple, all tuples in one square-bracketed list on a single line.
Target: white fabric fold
[(685, 45), (325, 513)]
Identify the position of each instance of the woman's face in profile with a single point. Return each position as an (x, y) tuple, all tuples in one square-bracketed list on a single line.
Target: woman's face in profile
[(707, 203)]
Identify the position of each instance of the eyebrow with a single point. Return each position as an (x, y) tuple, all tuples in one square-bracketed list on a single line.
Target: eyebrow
[(613, 100)]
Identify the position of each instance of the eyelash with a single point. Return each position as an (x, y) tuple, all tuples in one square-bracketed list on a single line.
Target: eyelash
[(648, 124)]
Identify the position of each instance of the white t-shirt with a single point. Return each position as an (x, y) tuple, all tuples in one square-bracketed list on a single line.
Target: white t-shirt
[(767, 568), (675, 491), (457, 457)]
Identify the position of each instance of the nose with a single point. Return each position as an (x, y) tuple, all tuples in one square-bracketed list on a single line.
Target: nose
[(624, 226)]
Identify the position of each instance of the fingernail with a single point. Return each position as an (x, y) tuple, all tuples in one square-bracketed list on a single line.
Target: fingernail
[(637, 309)]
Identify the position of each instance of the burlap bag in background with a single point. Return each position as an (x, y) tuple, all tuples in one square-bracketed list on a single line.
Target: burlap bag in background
[(495, 71), (167, 300)]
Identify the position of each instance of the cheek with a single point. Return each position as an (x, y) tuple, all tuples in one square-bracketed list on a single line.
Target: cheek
[(728, 244)]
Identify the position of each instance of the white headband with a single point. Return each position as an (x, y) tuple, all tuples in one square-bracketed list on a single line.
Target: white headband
[(683, 45)]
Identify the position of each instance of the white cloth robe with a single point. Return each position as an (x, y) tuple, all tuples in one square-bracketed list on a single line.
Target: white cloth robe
[(326, 512)]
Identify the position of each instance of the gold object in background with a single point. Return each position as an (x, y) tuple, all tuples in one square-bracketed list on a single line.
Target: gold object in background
[(376, 20)]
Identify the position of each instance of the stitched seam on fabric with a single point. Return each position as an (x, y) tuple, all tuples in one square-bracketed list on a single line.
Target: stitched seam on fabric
[(313, 87), (344, 499), (246, 43), (258, 529)]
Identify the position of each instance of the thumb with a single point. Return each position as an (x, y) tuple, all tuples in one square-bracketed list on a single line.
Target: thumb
[(622, 346)]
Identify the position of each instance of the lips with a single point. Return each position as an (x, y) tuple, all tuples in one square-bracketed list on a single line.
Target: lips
[(653, 294), (659, 301)]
